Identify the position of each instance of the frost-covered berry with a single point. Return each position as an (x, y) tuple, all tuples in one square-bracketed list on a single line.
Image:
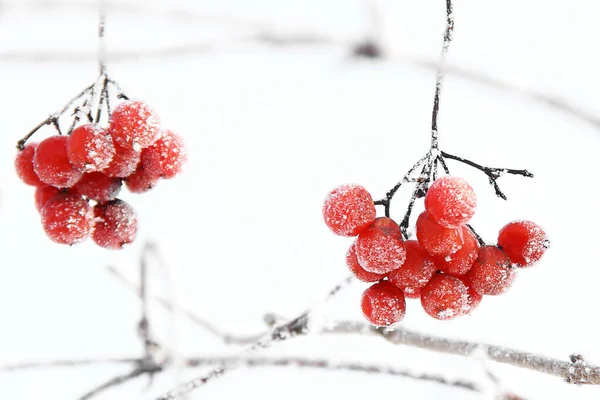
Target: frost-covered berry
[(171, 153), (134, 125), (43, 194), (444, 297), (51, 163), (523, 242), (147, 173), (460, 262), (473, 298), (116, 224), (98, 186), (67, 218), (348, 209), (383, 304), (491, 273), (90, 148), (417, 270), (450, 201), (24, 165), (436, 239), (124, 162), (358, 271), (379, 248)]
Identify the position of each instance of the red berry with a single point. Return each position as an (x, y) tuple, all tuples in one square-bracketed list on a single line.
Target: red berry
[(359, 271), (52, 164), (24, 165), (116, 224), (491, 273), (97, 186), (417, 270), (134, 125), (67, 218), (473, 298), (90, 148), (460, 262), (436, 239), (171, 153), (523, 242), (444, 297), (147, 173), (380, 249), (124, 162), (43, 194), (383, 304), (450, 201), (348, 209)]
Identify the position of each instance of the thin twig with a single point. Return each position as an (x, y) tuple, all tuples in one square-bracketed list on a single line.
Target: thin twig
[(325, 364), (295, 327), (65, 363), (440, 72), (116, 381), (492, 173), (227, 338), (101, 40), (52, 118)]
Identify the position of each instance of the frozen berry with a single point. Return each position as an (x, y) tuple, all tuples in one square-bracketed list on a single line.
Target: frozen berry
[(491, 273), (147, 173), (134, 125), (348, 209), (460, 262), (359, 271), (43, 194), (171, 153), (380, 249), (436, 239), (450, 201), (98, 186), (124, 162), (417, 270), (383, 304), (116, 224), (52, 164), (523, 242), (24, 165), (67, 218), (444, 297), (473, 298), (90, 148)]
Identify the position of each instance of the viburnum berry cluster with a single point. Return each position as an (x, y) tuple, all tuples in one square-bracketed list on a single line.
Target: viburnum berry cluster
[(448, 267), (79, 175)]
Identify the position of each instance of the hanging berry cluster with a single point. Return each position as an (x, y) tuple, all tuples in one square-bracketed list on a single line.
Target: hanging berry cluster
[(79, 175), (446, 267)]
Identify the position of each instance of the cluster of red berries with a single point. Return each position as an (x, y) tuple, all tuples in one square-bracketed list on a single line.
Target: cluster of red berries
[(91, 164), (445, 267)]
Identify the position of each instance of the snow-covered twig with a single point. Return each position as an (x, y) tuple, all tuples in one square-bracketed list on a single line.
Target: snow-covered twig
[(295, 327)]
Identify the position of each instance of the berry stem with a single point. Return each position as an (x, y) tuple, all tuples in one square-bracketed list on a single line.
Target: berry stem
[(492, 173), (53, 118), (440, 72), (101, 41)]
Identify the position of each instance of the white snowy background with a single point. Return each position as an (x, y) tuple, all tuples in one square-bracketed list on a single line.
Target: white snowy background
[(270, 130)]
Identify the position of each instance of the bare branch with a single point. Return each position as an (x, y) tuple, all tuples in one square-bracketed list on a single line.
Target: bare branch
[(65, 363), (116, 381), (325, 364), (295, 327)]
